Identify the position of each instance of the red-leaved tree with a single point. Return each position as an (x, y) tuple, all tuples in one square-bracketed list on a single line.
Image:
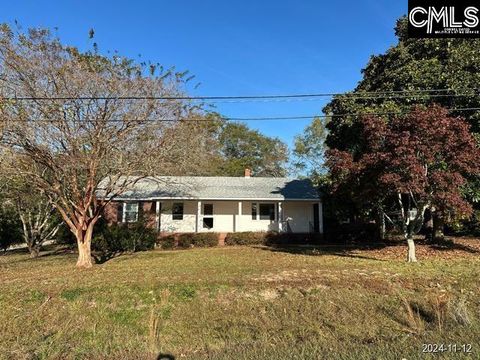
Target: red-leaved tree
[(408, 164)]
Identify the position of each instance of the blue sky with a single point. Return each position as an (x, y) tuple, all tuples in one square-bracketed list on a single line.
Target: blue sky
[(234, 47)]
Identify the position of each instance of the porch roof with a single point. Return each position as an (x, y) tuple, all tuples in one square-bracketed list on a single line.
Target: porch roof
[(219, 188)]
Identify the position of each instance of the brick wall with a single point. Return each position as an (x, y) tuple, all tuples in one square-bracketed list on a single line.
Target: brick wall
[(113, 213)]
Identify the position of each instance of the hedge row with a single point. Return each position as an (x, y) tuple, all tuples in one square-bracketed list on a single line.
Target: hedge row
[(343, 234), (270, 238), (184, 241)]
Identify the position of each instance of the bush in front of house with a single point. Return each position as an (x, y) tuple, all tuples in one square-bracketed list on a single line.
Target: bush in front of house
[(198, 240), (205, 240), (246, 238), (119, 238), (271, 238), (167, 242), (188, 240)]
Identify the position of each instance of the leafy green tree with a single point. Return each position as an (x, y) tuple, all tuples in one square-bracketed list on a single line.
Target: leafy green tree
[(309, 148), (411, 65), (241, 148)]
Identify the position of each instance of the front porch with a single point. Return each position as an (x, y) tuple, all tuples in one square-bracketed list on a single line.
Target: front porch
[(183, 216)]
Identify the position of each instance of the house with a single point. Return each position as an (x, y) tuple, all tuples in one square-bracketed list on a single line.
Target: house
[(188, 204)]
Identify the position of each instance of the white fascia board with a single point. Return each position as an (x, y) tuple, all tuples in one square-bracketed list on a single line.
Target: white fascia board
[(211, 199)]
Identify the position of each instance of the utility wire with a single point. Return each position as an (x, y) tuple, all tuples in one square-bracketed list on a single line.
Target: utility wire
[(275, 118), (360, 95)]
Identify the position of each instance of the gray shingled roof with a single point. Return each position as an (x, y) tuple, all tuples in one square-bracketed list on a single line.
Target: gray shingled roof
[(229, 188)]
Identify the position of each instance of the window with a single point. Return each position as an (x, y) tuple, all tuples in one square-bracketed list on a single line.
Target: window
[(130, 212), (177, 211), (208, 209), (267, 212), (208, 223), (208, 216), (254, 211)]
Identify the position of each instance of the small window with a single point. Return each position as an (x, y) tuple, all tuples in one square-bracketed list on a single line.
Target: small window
[(207, 216), (177, 211), (254, 211), (130, 212), (208, 209), (208, 223), (267, 212)]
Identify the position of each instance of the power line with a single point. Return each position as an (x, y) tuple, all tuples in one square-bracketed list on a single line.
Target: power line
[(356, 95), (274, 118)]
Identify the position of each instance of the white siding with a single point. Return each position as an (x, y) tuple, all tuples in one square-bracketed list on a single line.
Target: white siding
[(246, 223), (226, 219), (167, 224), (298, 216)]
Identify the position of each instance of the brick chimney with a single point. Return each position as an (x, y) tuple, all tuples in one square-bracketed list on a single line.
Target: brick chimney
[(248, 173)]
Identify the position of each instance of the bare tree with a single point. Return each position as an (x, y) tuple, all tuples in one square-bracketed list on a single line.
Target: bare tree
[(76, 118), (38, 224)]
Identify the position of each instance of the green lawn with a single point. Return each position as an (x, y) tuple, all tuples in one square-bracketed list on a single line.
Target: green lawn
[(241, 303)]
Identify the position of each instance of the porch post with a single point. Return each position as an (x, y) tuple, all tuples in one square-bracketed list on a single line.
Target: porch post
[(320, 218), (199, 216), (280, 217), (236, 223), (157, 215)]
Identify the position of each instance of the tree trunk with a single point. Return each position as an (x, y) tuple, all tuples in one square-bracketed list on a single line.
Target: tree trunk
[(438, 224), (381, 224), (411, 250), (84, 243), (34, 251), (429, 225)]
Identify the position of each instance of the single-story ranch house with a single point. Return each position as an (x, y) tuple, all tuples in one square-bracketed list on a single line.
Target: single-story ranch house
[(188, 204)]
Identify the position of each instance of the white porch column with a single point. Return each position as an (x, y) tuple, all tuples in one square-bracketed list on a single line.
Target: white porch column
[(199, 216), (157, 215), (320, 217), (236, 223), (280, 216)]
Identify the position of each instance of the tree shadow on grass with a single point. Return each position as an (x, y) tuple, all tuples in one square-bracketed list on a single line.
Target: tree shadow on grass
[(447, 245), (63, 250), (46, 252), (101, 258), (333, 249), (163, 356)]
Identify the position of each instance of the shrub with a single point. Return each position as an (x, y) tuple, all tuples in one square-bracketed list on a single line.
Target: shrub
[(275, 238), (352, 233), (167, 242), (465, 227), (198, 240), (185, 241), (64, 236), (119, 238), (188, 240), (10, 228), (245, 238), (205, 239), (271, 238)]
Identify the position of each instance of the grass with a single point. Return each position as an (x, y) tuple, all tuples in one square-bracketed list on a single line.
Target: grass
[(241, 303)]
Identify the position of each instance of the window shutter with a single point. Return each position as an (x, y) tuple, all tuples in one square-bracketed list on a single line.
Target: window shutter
[(119, 212)]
